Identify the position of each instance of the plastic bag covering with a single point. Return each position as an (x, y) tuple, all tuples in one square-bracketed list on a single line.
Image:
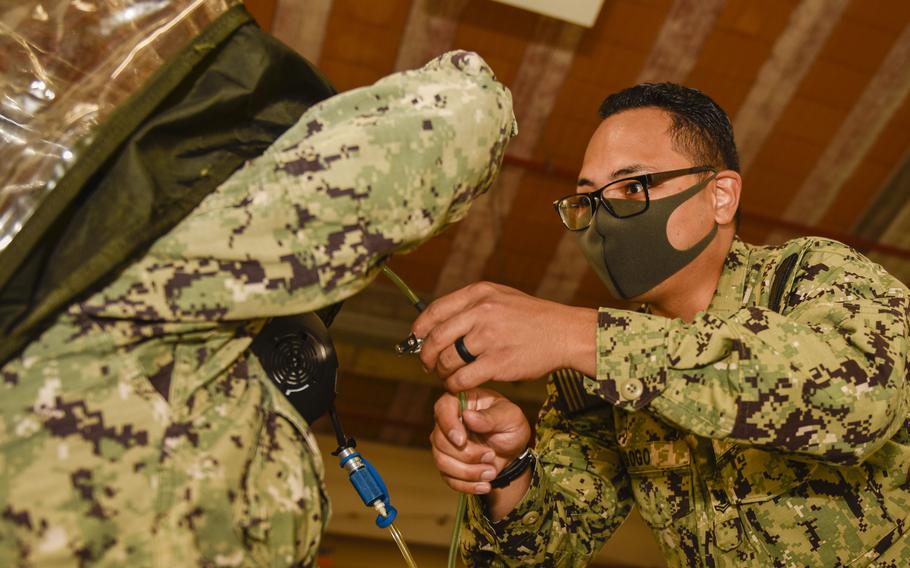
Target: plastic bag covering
[(64, 65)]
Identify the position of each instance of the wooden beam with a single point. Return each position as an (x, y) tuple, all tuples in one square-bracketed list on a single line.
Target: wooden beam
[(542, 72), (429, 32), (791, 57), (680, 40), (301, 24), (880, 99), (263, 12)]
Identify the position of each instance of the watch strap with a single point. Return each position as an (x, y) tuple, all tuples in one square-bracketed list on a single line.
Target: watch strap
[(513, 470)]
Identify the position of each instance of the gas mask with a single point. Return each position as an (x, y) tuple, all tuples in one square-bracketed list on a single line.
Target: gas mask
[(633, 255), (299, 357)]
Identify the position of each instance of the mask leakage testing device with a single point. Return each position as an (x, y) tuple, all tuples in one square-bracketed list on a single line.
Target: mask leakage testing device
[(299, 357)]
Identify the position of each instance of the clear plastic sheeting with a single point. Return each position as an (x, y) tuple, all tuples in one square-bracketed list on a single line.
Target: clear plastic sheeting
[(64, 66)]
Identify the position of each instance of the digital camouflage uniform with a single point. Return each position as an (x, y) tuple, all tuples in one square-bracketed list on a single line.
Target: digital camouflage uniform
[(745, 438), (138, 430)]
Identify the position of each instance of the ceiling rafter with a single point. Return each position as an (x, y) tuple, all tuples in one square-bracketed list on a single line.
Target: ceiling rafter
[(680, 40), (880, 99), (791, 57), (302, 25), (430, 30), (545, 64)]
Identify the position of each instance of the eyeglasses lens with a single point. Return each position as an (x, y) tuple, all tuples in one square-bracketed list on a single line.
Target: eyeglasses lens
[(625, 198), (576, 212)]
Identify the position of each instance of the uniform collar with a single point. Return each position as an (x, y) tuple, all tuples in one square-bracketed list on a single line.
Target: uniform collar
[(730, 294)]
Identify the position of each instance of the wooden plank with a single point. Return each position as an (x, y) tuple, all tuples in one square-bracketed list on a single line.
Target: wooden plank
[(263, 12), (794, 52), (680, 40), (361, 41), (867, 119), (430, 31), (302, 25)]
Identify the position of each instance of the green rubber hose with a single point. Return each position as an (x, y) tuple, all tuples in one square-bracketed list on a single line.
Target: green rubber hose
[(462, 404)]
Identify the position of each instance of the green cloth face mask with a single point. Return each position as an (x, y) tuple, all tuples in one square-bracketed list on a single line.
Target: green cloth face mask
[(633, 255)]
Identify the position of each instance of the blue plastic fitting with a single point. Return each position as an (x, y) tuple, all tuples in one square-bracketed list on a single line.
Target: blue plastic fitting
[(369, 485)]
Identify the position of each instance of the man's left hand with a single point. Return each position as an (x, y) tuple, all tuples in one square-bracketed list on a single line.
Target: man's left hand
[(512, 335)]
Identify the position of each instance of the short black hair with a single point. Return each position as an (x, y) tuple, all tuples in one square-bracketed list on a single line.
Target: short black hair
[(701, 129)]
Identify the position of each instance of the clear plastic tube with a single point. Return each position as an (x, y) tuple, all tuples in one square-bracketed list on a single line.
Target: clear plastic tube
[(402, 546), (462, 404)]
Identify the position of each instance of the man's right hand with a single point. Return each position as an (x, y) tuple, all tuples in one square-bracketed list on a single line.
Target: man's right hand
[(470, 452)]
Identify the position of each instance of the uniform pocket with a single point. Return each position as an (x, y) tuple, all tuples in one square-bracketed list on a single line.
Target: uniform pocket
[(813, 514), (663, 493), (755, 475), (658, 464), (661, 480)]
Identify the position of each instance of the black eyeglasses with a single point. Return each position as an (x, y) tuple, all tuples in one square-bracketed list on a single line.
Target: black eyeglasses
[(622, 198)]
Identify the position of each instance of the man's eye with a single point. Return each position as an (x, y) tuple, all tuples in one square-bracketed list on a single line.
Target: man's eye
[(635, 187)]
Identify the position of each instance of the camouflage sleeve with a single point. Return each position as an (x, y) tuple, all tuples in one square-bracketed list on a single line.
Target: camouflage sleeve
[(579, 496), (826, 380), (363, 175)]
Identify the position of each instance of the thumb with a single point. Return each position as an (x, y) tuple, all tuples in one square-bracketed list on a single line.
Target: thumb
[(478, 422), (502, 416)]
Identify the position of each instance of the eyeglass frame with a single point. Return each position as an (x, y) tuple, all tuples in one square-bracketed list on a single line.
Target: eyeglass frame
[(646, 180)]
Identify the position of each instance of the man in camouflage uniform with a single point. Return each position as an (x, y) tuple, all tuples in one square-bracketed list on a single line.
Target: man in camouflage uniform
[(755, 411), (138, 430)]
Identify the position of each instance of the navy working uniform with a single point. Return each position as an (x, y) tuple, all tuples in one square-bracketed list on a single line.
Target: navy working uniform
[(770, 430)]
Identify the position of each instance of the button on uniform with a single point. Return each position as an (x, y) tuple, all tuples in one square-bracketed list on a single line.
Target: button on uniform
[(530, 518), (631, 390)]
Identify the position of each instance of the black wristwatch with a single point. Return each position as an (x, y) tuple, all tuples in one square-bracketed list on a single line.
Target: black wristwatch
[(511, 472)]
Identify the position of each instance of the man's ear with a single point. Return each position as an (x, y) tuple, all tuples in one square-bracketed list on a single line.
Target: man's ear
[(727, 186)]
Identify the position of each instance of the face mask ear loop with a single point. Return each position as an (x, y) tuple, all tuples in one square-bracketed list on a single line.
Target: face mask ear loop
[(462, 404)]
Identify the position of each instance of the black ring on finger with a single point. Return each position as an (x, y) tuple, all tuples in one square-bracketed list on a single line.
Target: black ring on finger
[(463, 352)]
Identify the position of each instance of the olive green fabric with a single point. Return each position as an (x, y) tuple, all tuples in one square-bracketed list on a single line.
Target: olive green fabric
[(222, 101)]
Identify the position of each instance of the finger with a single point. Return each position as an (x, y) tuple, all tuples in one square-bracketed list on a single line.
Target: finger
[(451, 467), (480, 398), (446, 412), (471, 376), (450, 360), (504, 416), (442, 337), (449, 305), (470, 453), (481, 488)]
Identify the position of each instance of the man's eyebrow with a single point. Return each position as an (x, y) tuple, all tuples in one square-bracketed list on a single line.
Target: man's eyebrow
[(631, 169), (585, 182), (626, 171)]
